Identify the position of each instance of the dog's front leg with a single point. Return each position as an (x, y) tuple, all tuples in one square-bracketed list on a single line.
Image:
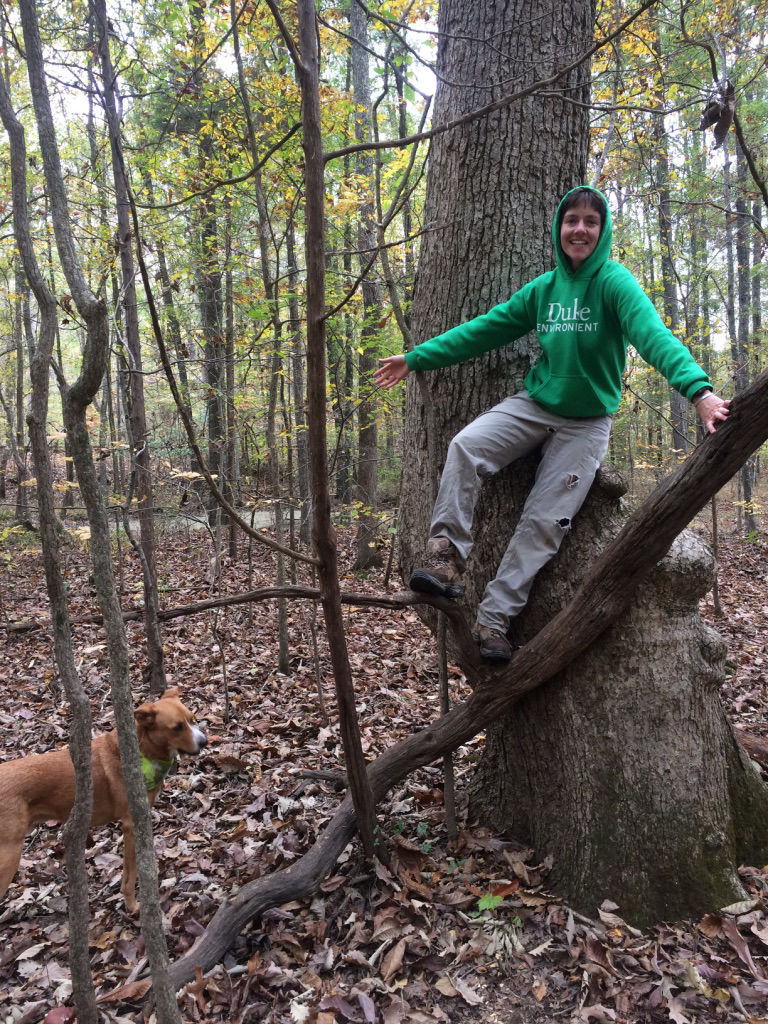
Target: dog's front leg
[(11, 847), (128, 887)]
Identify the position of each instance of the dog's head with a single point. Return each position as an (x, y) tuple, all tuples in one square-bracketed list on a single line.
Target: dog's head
[(165, 728)]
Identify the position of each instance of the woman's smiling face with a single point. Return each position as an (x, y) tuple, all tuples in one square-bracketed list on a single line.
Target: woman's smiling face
[(579, 233)]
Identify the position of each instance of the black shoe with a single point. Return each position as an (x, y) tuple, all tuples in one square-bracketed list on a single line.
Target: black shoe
[(440, 575)]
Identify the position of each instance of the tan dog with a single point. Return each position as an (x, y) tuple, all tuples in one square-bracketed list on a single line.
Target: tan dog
[(41, 787)]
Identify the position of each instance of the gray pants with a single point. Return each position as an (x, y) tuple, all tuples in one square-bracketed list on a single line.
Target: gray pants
[(572, 450)]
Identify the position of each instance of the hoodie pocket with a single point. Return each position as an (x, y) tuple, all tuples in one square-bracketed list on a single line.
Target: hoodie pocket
[(568, 395)]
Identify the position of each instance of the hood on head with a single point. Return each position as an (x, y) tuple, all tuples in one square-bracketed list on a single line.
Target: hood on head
[(603, 248)]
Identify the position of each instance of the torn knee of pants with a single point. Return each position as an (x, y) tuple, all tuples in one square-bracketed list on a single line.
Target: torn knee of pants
[(564, 523), (571, 479)]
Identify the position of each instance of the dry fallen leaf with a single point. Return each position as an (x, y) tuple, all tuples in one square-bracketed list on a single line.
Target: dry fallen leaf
[(467, 993), (61, 1015), (446, 987), (539, 990), (133, 990), (393, 960)]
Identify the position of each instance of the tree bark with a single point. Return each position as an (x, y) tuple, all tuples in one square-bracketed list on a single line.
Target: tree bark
[(271, 290), (132, 370), (323, 536), (275, 375), (209, 274), (232, 460), (297, 363), (743, 347), (738, 357), (492, 189), (21, 512), (678, 407)]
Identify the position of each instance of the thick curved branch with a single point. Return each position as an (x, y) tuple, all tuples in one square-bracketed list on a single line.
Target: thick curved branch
[(601, 599), (750, 158)]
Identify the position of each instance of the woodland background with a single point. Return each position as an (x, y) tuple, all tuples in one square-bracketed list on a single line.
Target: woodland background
[(220, 234), (209, 111)]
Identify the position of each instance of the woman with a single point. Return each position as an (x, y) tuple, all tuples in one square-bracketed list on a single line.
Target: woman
[(585, 313)]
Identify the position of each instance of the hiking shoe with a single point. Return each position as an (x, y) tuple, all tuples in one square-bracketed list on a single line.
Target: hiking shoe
[(494, 645), (440, 574)]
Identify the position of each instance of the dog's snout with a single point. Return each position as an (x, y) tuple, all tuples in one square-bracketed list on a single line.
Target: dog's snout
[(201, 740)]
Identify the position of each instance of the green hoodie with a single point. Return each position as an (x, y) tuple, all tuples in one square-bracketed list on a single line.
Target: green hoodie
[(584, 320)]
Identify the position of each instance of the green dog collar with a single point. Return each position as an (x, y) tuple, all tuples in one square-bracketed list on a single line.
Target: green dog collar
[(154, 771)]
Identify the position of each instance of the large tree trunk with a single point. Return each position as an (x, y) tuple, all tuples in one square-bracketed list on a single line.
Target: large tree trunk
[(491, 194), (623, 767)]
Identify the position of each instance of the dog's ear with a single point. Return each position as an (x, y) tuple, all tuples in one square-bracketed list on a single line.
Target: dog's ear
[(173, 692), (145, 715)]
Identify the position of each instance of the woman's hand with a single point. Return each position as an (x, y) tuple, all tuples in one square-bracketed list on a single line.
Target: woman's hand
[(391, 371), (712, 410)]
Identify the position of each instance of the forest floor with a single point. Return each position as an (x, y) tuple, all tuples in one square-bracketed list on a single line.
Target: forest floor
[(463, 931)]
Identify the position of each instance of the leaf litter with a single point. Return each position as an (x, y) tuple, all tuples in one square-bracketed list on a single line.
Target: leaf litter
[(463, 930)]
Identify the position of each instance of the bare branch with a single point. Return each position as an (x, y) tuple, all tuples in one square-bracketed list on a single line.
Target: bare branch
[(499, 104)]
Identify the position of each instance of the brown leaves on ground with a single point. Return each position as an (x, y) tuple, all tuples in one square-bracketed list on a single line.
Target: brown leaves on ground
[(461, 931)]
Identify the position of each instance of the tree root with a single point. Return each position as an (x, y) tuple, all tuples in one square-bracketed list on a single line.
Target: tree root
[(755, 746)]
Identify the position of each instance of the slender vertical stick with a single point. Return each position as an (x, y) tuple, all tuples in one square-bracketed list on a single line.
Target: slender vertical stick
[(322, 531), (449, 786)]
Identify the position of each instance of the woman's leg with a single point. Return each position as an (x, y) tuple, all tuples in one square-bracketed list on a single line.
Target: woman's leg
[(571, 457), (510, 430)]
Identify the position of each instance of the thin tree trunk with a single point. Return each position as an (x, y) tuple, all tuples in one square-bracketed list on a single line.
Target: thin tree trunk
[(21, 512), (299, 400), (678, 407), (757, 299), (75, 401), (134, 390), (232, 489), (172, 319), (209, 274), (76, 829), (323, 535), (275, 374), (744, 321), (368, 555)]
